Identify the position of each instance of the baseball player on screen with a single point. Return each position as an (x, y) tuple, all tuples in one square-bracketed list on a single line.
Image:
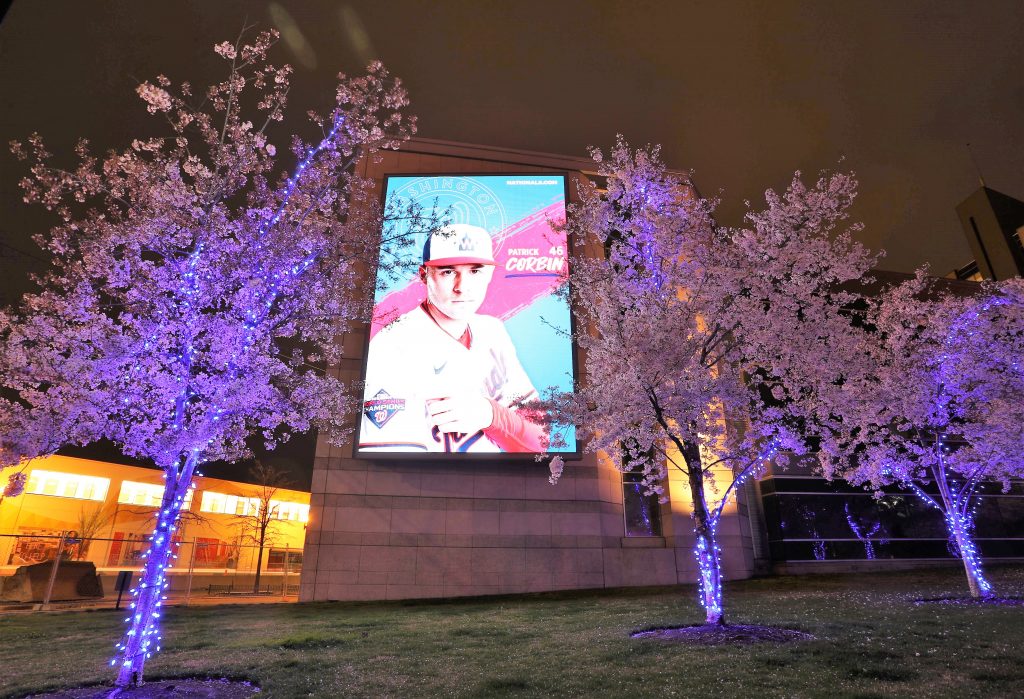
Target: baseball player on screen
[(443, 378)]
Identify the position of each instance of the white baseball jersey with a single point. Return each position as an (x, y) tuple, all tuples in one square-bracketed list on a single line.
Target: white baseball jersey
[(413, 360)]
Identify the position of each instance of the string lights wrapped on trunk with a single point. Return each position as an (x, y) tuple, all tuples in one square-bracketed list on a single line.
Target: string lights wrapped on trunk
[(161, 327)]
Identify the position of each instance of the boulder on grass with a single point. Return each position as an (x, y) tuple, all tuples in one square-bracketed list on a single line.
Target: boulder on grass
[(75, 580)]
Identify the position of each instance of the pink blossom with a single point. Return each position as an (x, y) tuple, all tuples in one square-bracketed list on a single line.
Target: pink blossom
[(556, 465), (160, 326), (681, 313), (225, 49), (157, 98), (16, 484)]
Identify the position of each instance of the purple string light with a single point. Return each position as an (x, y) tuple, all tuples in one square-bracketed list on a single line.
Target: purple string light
[(959, 526), (858, 531), (142, 638), (709, 554)]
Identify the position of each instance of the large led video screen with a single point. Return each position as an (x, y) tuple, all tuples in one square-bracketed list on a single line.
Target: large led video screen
[(473, 329)]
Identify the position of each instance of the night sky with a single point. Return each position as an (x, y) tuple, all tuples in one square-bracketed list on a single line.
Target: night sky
[(741, 93)]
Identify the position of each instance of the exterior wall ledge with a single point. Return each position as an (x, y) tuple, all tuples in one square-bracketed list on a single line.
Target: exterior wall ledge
[(643, 542)]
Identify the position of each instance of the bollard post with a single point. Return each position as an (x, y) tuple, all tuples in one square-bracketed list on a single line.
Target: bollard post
[(123, 584), (53, 571), (191, 567), (284, 585)]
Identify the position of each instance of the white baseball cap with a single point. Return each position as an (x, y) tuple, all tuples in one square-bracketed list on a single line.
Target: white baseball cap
[(458, 244)]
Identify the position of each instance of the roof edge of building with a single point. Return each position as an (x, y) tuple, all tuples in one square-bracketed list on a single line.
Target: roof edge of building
[(514, 156)]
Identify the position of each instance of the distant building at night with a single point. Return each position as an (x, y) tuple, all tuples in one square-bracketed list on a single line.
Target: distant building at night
[(104, 512), (993, 224)]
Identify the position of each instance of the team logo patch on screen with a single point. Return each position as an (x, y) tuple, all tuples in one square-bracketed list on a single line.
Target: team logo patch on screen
[(382, 407)]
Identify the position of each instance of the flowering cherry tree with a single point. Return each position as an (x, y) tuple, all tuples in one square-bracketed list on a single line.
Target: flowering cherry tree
[(26, 433), (935, 401), (196, 289), (697, 338)]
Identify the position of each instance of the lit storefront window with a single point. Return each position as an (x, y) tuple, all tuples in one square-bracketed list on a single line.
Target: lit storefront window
[(67, 485), (146, 494), (220, 503), (291, 511)]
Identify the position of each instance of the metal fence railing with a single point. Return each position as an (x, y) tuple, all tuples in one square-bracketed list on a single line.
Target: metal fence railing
[(47, 568)]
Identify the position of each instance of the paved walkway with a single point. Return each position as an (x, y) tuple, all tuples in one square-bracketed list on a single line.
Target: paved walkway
[(194, 601)]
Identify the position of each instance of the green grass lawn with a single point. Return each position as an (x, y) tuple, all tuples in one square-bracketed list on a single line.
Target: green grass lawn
[(872, 641)]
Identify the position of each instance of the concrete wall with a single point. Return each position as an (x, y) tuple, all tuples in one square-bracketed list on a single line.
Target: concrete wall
[(440, 529)]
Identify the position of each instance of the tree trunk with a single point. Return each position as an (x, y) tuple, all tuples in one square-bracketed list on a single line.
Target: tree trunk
[(959, 526), (142, 638), (706, 548), (259, 562)]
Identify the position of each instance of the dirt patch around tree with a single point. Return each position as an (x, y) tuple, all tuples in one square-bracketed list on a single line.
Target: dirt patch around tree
[(162, 689), (723, 635)]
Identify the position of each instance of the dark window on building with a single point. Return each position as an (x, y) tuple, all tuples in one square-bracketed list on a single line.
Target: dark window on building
[(642, 512), (810, 519), (969, 271), (276, 560)]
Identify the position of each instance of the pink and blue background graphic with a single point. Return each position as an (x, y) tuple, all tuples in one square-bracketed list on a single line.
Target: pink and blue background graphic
[(531, 263)]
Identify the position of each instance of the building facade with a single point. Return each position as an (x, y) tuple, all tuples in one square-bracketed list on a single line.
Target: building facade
[(387, 527), (103, 512), (814, 525), (993, 225), (384, 527)]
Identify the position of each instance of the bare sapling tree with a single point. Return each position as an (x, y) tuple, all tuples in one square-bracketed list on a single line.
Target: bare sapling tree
[(261, 518)]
